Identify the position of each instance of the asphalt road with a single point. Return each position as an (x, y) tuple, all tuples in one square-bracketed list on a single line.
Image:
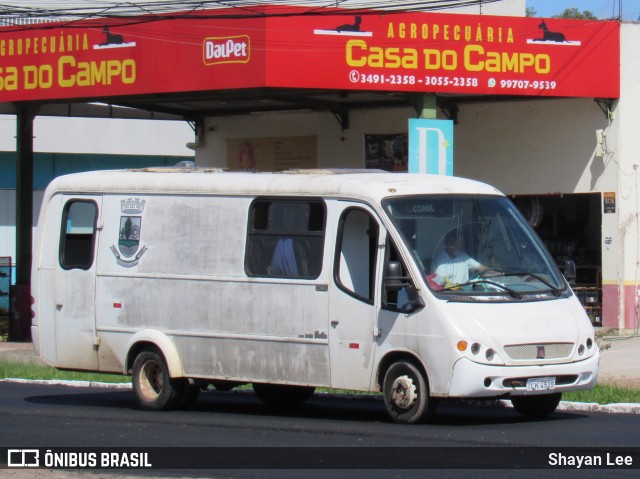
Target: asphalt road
[(46, 416)]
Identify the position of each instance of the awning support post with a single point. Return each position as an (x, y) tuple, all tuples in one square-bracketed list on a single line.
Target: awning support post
[(20, 318)]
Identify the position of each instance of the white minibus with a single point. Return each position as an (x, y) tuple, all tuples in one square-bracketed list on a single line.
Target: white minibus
[(421, 287)]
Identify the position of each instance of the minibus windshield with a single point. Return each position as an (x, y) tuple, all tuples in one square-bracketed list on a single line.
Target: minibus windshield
[(468, 245)]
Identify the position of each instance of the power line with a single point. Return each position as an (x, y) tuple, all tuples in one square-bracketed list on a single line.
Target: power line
[(55, 9)]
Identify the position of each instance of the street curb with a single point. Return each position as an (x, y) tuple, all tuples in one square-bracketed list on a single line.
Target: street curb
[(570, 406), (74, 384), (617, 408)]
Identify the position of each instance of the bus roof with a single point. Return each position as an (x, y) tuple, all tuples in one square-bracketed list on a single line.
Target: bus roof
[(370, 184)]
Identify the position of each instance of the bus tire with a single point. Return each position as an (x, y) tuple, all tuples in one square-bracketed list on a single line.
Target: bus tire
[(406, 394), (281, 395), (536, 407), (154, 388)]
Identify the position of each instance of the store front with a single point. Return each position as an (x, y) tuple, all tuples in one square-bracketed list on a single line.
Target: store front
[(333, 78)]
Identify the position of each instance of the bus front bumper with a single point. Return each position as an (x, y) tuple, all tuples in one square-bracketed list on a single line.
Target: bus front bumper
[(470, 379)]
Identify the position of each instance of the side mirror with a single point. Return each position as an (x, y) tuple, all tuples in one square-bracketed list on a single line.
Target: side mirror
[(407, 299), (393, 278), (570, 272)]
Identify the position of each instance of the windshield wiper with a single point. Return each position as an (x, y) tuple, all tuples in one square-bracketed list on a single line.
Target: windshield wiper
[(552, 288), (512, 292)]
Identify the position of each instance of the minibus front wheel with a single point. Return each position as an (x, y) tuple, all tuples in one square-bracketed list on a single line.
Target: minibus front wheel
[(154, 388), (406, 394)]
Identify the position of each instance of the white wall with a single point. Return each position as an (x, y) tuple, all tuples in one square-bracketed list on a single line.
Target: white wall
[(626, 230), (524, 147), (533, 146), (629, 158), (102, 136), (336, 148)]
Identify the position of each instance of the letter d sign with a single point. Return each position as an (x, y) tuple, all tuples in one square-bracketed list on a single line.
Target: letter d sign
[(431, 146)]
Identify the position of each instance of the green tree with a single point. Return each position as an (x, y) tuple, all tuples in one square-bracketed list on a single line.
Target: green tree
[(576, 14), (531, 12)]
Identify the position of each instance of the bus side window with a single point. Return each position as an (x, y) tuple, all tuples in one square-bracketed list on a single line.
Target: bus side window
[(78, 233), (356, 251), (285, 238)]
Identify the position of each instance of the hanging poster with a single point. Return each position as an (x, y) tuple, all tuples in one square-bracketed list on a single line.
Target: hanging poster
[(609, 202), (272, 154), (386, 151)]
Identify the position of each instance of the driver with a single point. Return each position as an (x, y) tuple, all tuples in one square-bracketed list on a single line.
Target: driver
[(452, 265)]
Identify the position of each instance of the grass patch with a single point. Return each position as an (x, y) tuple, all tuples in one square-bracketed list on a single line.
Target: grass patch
[(605, 394), (11, 369)]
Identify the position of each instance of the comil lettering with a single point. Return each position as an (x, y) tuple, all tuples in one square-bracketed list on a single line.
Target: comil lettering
[(226, 50), (424, 208)]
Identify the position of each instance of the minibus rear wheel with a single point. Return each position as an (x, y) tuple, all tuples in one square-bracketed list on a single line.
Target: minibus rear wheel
[(154, 388), (536, 407), (406, 394)]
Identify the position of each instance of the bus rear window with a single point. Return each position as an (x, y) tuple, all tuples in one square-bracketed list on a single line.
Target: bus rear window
[(77, 237)]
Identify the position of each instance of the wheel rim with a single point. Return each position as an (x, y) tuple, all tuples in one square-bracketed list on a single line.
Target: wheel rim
[(151, 380), (404, 393)]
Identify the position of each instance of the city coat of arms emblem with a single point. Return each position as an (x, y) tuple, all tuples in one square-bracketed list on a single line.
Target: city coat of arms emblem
[(129, 250)]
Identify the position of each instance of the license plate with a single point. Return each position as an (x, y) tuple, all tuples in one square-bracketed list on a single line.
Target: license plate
[(541, 384)]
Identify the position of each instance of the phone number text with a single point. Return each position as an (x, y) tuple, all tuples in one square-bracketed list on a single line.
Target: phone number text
[(382, 79), (528, 84), (448, 81)]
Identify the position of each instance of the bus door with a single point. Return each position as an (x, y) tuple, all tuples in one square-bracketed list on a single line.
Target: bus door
[(353, 303), (74, 284)]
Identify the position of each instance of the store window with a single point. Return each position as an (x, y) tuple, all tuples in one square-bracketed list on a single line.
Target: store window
[(570, 225)]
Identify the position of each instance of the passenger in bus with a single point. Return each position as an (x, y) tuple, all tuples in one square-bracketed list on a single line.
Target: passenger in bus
[(452, 266), (284, 261)]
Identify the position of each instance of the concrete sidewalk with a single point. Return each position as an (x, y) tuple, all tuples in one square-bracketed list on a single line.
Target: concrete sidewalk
[(619, 360)]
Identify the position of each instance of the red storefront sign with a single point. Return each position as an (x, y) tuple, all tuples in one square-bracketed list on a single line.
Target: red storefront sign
[(412, 52)]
